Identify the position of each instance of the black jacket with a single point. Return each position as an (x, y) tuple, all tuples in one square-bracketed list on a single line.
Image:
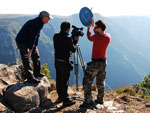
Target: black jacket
[(63, 45), (29, 33)]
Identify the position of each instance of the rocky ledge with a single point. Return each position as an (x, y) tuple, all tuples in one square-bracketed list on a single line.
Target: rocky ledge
[(16, 95)]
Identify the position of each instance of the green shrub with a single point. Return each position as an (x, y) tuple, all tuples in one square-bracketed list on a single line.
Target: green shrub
[(136, 87), (145, 85), (127, 90), (19, 61), (142, 89), (119, 90), (45, 70)]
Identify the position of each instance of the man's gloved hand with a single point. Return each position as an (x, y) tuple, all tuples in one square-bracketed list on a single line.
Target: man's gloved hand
[(29, 54)]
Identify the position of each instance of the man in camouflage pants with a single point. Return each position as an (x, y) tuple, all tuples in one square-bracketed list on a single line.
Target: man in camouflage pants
[(96, 68)]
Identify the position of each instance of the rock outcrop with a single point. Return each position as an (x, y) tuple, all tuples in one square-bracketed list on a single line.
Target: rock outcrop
[(22, 97), (17, 95)]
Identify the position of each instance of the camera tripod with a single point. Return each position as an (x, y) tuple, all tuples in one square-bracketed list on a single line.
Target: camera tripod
[(78, 58)]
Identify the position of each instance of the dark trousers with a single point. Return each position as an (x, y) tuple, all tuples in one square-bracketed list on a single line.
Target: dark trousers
[(26, 62), (62, 79)]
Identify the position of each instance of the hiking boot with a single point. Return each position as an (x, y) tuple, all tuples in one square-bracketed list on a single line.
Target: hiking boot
[(30, 77), (85, 104), (33, 80), (68, 102), (99, 102), (39, 75), (59, 100)]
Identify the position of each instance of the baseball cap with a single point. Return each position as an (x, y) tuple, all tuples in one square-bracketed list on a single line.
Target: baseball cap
[(45, 14)]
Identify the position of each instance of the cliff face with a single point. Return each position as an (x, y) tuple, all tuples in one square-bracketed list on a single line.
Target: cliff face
[(7, 50), (128, 56)]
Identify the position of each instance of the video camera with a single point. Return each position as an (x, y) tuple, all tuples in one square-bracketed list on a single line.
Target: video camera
[(76, 32)]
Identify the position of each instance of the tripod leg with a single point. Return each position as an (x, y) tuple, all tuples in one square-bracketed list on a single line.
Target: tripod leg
[(77, 58), (76, 69)]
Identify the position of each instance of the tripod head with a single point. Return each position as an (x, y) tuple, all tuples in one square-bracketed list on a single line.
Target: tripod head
[(77, 32)]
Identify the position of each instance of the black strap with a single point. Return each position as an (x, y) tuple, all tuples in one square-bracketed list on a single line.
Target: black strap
[(99, 60)]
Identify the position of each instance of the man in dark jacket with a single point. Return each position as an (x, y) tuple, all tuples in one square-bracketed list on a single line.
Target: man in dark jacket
[(27, 42), (63, 47)]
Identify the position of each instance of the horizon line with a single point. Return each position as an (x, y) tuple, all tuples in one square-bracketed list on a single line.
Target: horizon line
[(76, 14)]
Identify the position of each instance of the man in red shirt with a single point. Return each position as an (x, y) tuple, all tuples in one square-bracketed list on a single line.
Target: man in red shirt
[(96, 68)]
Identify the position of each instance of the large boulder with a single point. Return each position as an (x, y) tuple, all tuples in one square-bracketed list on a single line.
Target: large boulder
[(3, 86), (18, 70), (10, 74), (44, 89), (26, 96), (22, 97), (4, 109)]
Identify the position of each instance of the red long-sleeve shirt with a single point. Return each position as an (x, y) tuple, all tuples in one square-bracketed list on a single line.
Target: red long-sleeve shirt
[(100, 44)]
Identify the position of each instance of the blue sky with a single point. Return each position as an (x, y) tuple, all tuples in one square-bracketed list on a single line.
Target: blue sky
[(68, 7)]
